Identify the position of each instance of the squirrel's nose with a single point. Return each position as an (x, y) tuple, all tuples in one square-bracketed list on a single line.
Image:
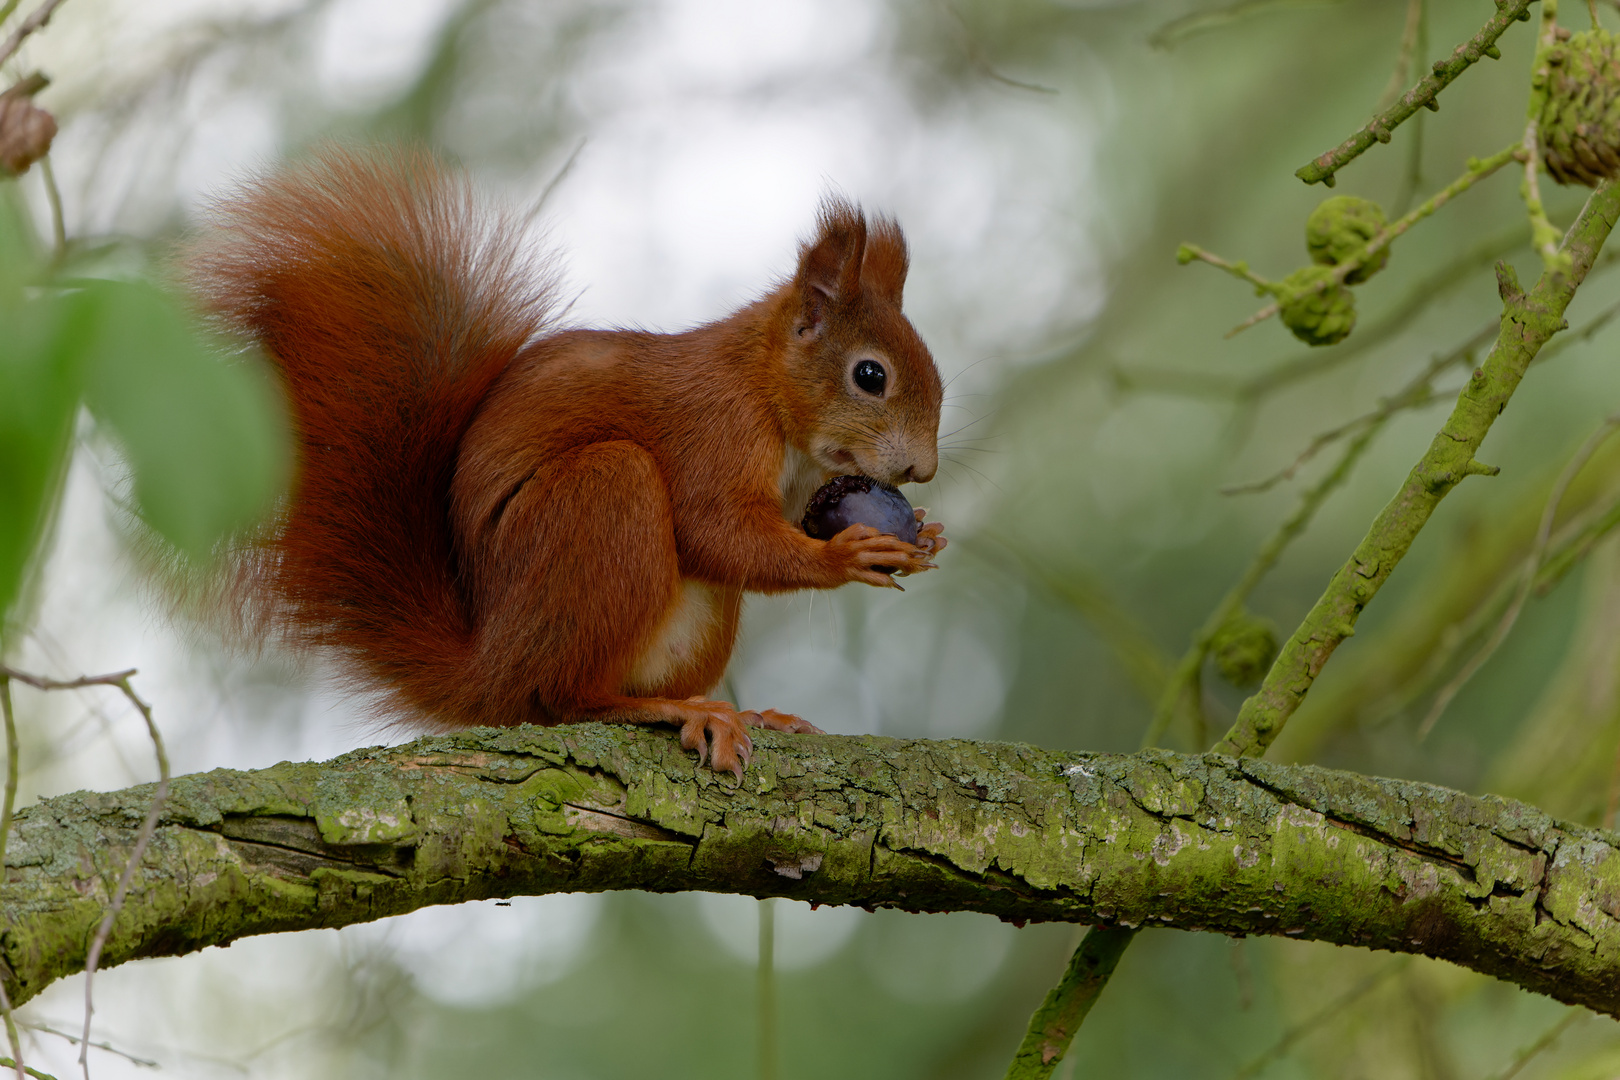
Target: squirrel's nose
[(922, 472)]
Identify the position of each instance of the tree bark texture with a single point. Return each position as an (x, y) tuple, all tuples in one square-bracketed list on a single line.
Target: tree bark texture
[(1151, 839)]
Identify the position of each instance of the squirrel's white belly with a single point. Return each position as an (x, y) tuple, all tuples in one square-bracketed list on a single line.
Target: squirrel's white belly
[(681, 639)]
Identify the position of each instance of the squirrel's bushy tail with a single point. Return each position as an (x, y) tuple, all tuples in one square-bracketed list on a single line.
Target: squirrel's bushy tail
[(389, 300)]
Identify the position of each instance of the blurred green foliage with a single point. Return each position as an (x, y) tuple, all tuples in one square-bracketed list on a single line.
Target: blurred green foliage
[(203, 435)]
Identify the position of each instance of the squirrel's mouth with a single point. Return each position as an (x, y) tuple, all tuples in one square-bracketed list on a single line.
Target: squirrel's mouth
[(843, 459)]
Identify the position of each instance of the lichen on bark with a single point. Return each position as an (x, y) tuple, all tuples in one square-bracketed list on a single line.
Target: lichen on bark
[(1154, 839)]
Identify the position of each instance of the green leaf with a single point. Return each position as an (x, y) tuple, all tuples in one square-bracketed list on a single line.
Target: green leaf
[(39, 397), (203, 433)]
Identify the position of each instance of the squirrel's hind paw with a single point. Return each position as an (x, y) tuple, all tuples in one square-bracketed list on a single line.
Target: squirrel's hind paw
[(717, 732), (780, 721)]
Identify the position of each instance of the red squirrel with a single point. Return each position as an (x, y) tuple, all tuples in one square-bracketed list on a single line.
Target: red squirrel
[(497, 521)]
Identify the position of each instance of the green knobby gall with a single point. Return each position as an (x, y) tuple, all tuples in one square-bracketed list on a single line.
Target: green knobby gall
[(1243, 648), (1319, 310), (1340, 228), (1580, 122)]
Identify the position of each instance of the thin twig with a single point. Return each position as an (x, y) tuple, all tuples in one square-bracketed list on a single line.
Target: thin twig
[(1418, 393), (1199, 21), (1188, 252), (6, 1063), (6, 809), (1579, 337), (1317, 444), (39, 18), (1260, 316), (1415, 394), (145, 1063), (1184, 680), (40, 682), (556, 180), (1526, 580), (1403, 59), (1546, 1040), (1422, 95), (976, 57), (1478, 169), (1417, 299), (1413, 180), (142, 839), (1568, 546), (53, 195), (120, 681), (1322, 441), (1544, 236), (1321, 1016), (766, 989)]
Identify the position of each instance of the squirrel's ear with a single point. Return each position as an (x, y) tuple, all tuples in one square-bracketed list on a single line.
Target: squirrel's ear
[(886, 260), (830, 265)]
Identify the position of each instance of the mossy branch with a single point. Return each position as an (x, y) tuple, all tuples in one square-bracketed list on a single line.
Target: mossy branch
[(1055, 1023), (1205, 843), (1528, 321), (1424, 94)]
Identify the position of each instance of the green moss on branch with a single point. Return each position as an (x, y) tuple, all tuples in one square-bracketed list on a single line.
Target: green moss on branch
[(1154, 839)]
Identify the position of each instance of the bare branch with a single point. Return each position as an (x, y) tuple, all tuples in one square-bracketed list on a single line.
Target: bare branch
[(1422, 95), (39, 18)]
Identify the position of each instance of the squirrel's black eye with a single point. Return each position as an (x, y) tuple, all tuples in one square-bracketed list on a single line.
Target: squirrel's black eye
[(870, 376)]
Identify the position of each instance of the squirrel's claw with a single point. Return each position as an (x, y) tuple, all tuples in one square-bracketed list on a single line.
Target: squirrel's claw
[(780, 721), (714, 732), (878, 558), (718, 733)]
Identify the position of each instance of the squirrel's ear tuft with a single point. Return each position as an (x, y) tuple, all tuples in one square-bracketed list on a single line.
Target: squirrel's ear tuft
[(830, 265), (886, 260)]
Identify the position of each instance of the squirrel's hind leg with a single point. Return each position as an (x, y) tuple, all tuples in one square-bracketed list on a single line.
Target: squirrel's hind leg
[(578, 584)]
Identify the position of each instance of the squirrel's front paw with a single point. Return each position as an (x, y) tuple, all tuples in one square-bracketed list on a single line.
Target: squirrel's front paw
[(930, 536), (864, 554)]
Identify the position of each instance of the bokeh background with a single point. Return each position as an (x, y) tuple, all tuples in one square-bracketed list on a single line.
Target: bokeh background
[(1045, 158)]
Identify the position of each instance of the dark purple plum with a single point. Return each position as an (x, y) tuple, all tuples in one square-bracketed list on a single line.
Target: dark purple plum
[(859, 500)]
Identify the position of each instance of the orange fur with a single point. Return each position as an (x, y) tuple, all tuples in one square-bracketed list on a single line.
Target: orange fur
[(494, 522)]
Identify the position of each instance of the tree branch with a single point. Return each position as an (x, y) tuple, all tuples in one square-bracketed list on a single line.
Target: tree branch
[(1424, 94), (1528, 321), (1207, 843)]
